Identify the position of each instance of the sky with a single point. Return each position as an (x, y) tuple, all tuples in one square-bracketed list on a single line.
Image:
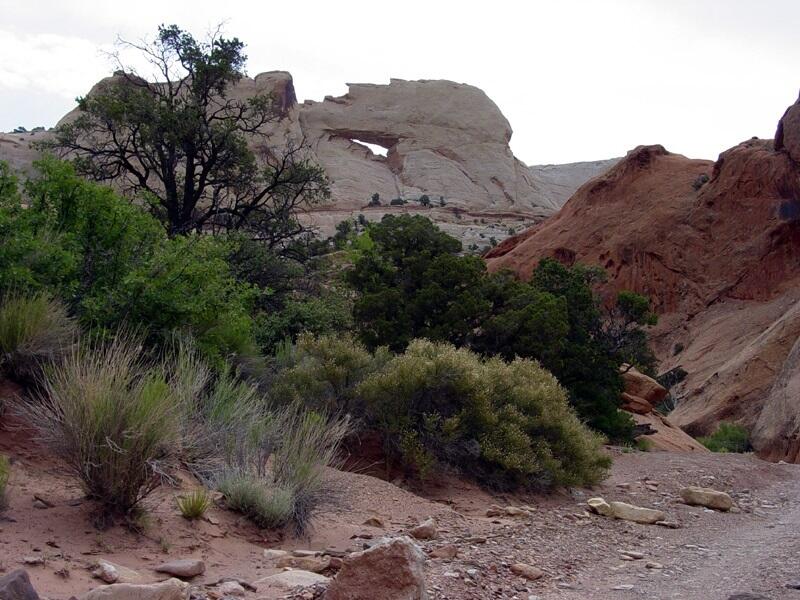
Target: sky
[(577, 79)]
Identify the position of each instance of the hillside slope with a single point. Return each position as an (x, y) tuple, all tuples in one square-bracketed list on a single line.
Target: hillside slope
[(720, 262)]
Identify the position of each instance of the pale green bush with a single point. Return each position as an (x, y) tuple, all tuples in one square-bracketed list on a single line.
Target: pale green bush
[(507, 424)]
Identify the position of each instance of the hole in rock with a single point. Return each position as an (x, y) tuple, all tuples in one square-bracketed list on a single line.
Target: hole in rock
[(374, 148)]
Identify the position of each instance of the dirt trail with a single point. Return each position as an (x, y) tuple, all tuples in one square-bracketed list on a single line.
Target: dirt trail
[(711, 556)]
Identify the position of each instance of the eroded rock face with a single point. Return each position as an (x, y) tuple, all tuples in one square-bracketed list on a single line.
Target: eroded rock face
[(390, 570), (720, 261), (446, 140)]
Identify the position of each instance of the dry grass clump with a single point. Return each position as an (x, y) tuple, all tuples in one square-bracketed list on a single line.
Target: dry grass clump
[(33, 329), (194, 504), (112, 416)]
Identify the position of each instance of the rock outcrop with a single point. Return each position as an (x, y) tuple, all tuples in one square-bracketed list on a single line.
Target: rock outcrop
[(442, 139), (715, 246)]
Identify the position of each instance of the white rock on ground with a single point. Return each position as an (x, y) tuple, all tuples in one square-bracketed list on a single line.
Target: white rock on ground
[(698, 496), (171, 589)]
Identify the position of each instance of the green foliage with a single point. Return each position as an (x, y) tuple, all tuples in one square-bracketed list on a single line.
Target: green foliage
[(112, 417), (507, 424), (33, 329), (184, 142), (728, 437), (194, 504), (267, 507), (323, 372), (5, 475), (413, 284), (112, 264), (318, 316), (375, 200)]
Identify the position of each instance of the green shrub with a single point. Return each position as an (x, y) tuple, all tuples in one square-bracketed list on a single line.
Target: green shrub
[(112, 264), (267, 507), (194, 504), (728, 437), (112, 417), (507, 424), (5, 474), (322, 372), (33, 329), (275, 476), (318, 316)]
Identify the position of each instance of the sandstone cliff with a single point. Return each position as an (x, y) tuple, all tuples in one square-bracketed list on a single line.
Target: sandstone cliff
[(442, 139), (719, 259)]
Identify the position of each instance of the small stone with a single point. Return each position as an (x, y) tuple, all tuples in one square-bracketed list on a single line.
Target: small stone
[(39, 504), (452, 574), (231, 588), (105, 572), (374, 522), (622, 588), (289, 580), (304, 553), (698, 496), (632, 554), (793, 585), (472, 573), (448, 551), (171, 589), (425, 530), (528, 572), (304, 563), (33, 560), (274, 554), (185, 568), (747, 596), (669, 524), (653, 565)]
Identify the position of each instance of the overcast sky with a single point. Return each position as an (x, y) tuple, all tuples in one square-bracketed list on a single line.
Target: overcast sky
[(578, 80)]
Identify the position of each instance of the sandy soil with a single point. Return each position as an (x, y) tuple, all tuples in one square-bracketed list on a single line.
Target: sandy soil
[(711, 556)]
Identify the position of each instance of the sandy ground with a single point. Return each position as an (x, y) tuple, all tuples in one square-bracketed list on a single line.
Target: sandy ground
[(711, 556)]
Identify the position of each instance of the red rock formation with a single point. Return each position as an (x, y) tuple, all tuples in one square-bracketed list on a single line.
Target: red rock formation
[(721, 262)]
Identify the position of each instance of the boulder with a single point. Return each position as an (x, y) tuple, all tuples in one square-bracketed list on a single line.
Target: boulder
[(626, 512), (289, 580), (425, 530), (699, 496), (171, 589), (642, 387), (184, 568), (391, 570), (274, 554), (17, 586)]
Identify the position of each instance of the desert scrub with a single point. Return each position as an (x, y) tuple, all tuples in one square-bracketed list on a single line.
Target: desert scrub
[(728, 437), (33, 329), (111, 415), (275, 466), (322, 372), (509, 425), (5, 474), (194, 504)]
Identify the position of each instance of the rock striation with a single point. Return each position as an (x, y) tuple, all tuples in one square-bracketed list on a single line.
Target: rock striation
[(715, 246)]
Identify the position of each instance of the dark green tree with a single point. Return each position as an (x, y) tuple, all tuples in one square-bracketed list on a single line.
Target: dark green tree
[(183, 142)]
